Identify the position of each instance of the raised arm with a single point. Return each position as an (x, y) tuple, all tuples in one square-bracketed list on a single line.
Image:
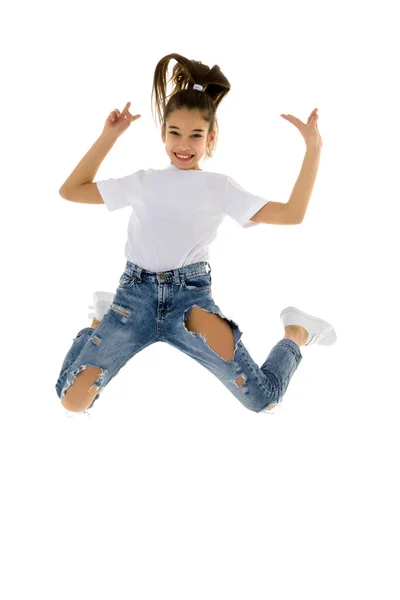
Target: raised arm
[(301, 194), (79, 186), (293, 211), (87, 168)]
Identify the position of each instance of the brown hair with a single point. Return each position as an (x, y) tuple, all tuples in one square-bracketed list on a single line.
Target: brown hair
[(184, 75)]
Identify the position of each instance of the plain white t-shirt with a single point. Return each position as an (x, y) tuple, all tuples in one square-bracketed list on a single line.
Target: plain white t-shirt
[(176, 213)]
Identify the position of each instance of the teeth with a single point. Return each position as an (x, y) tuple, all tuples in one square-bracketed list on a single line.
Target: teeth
[(181, 156)]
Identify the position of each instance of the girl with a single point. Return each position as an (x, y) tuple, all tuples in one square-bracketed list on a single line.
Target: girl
[(164, 293)]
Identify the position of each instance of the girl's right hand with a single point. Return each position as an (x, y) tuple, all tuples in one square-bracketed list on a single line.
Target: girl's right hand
[(118, 122)]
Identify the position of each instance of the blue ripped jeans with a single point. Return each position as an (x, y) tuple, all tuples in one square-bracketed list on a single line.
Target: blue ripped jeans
[(152, 307)]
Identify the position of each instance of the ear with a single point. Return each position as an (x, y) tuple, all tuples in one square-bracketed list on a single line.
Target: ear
[(163, 133)]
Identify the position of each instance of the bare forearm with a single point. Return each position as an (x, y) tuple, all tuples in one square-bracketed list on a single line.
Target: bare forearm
[(304, 185), (87, 168)]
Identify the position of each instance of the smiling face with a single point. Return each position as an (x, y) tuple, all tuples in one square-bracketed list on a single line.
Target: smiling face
[(186, 134)]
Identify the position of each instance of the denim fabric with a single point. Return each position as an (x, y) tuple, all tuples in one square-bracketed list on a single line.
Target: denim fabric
[(152, 307)]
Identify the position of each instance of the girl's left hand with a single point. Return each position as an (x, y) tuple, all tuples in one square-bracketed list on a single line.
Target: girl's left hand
[(309, 131)]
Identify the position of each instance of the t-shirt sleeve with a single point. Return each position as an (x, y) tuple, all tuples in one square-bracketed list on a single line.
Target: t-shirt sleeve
[(120, 192), (240, 204)]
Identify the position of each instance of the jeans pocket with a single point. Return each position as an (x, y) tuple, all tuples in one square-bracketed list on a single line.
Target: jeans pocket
[(127, 280), (197, 282)]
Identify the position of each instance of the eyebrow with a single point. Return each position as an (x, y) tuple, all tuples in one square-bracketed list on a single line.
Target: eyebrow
[(175, 127)]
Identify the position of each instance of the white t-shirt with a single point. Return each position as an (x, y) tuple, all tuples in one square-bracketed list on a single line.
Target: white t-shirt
[(176, 213)]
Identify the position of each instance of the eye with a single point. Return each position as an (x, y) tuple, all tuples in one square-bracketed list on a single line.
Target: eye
[(198, 134)]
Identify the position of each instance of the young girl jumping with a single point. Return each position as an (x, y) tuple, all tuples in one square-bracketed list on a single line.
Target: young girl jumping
[(164, 293)]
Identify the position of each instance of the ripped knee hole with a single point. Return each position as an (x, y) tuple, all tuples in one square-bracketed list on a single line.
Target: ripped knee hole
[(240, 383)]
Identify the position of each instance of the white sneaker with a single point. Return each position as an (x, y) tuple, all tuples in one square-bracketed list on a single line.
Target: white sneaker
[(273, 408), (319, 331), (102, 302), (75, 415)]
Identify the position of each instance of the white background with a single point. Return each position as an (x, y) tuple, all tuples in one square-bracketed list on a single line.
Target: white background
[(172, 489)]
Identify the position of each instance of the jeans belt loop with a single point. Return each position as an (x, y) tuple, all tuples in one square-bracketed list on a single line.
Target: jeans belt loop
[(139, 274)]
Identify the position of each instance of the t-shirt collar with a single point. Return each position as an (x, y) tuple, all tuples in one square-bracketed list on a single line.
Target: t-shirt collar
[(172, 166)]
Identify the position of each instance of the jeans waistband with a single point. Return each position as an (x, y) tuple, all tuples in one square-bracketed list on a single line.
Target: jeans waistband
[(171, 276)]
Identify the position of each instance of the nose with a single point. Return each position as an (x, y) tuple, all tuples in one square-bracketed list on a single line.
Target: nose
[(184, 146)]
